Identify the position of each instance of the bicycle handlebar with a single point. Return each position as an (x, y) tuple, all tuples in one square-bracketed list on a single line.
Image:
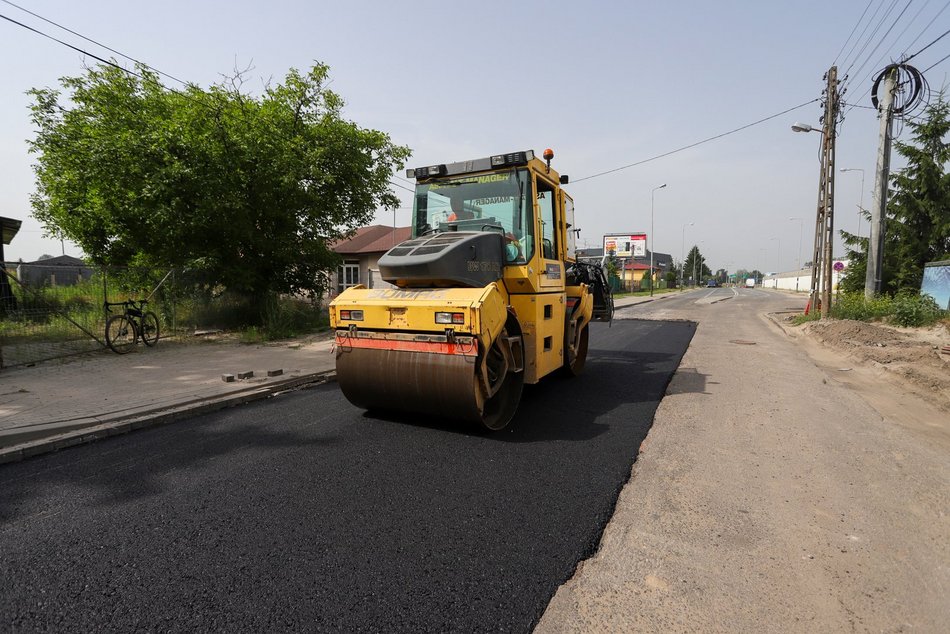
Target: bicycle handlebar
[(129, 303)]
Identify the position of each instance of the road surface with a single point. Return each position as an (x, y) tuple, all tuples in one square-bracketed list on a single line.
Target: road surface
[(770, 496), (302, 513)]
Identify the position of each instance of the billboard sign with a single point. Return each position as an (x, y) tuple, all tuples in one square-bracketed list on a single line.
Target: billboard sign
[(936, 282), (631, 245)]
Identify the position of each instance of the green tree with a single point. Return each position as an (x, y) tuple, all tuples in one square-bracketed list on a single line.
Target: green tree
[(917, 223), (250, 190), (695, 266)]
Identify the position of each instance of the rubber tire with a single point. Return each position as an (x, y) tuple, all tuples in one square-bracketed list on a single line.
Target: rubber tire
[(501, 408), (149, 323), (121, 334), (573, 367)]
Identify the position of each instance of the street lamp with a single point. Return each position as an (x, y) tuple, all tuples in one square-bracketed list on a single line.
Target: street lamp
[(803, 127), (861, 204), (683, 255), (695, 261), (652, 239)]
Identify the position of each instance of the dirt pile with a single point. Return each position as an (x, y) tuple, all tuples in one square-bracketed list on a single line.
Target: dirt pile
[(912, 355)]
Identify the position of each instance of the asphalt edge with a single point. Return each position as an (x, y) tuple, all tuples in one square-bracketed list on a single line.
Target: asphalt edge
[(126, 424)]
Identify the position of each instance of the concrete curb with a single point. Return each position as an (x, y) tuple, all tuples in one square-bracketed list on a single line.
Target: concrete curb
[(122, 424), (778, 323), (642, 301)]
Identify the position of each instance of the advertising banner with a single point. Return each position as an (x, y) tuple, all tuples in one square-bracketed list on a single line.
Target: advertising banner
[(632, 245)]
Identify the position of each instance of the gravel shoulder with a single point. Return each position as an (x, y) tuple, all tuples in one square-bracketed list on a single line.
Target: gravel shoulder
[(773, 495)]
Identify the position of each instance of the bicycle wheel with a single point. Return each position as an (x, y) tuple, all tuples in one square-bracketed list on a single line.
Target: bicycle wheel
[(149, 326), (120, 334)]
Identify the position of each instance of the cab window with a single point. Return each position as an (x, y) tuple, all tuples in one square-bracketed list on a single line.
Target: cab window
[(546, 201)]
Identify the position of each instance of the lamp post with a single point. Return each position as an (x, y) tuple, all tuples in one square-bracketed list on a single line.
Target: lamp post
[(683, 255), (821, 283), (695, 261), (652, 240), (860, 204)]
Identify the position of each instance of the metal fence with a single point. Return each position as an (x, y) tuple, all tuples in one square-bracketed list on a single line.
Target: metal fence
[(56, 311)]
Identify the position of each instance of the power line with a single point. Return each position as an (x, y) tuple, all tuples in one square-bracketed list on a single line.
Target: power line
[(881, 41), (921, 34), (857, 24), (402, 187), (940, 62), (692, 145), (904, 56), (883, 57), (860, 37), (100, 44), (928, 46), (75, 48)]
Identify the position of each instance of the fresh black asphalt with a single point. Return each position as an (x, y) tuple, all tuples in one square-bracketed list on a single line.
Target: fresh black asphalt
[(303, 513)]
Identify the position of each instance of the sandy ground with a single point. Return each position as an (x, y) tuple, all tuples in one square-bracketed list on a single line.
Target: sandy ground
[(794, 481), (911, 359)]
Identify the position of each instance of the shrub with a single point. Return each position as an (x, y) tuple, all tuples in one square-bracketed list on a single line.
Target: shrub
[(856, 306), (913, 309)]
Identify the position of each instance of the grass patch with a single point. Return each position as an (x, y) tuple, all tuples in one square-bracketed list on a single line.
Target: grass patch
[(798, 320), (908, 308)]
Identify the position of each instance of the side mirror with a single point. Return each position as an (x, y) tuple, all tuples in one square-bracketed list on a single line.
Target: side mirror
[(565, 179)]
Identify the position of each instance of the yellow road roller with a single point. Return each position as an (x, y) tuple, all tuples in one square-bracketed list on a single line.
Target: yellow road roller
[(484, 297)]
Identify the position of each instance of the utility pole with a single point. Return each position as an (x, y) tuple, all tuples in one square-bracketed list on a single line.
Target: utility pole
[(872, 279), (820, 293)]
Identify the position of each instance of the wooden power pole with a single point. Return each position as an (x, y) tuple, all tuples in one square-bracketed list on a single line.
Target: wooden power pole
[(822, 256)]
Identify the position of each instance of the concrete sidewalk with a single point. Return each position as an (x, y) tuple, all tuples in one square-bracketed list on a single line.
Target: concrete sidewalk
[(57, 404)]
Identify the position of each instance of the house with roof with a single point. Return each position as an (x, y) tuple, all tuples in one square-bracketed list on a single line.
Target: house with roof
[(60, 270), (633, 270), (361, 253)]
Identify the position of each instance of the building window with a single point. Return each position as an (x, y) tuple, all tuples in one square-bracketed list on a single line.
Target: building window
[(347, 275)]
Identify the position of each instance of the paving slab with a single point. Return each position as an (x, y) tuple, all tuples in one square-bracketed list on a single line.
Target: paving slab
[(61, 401)]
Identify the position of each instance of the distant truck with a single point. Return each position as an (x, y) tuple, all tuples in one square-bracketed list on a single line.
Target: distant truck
[(750, 282)]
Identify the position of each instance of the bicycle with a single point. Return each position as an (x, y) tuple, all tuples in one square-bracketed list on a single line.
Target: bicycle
[(124, 330)]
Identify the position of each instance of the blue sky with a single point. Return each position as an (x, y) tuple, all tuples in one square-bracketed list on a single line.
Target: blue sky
[(604, 84)]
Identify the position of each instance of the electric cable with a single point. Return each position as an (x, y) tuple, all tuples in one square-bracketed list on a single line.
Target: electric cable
[(903, 57), (870, 55), (924, 30), (883, 57), (100, 44), (907, 75), (857, 24), (883, 38), (402, 187), (75, 48), (692, 145), (871, 37), (945, 33), (863, 32), (932, 65)]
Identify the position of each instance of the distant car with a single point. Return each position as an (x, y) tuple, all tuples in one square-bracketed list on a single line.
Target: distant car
[(712, 284)]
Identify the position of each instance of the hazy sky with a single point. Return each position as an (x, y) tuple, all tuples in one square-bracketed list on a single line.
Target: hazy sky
[(604, 84)]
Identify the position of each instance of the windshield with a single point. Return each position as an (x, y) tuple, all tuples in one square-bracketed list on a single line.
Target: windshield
[(486, 202)]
